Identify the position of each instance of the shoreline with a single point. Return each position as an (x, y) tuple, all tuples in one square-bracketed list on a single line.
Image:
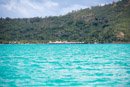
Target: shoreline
[(60, 42), (65, 43)]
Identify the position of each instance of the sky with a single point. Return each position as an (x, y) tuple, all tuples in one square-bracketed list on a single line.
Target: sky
[(42, 8)]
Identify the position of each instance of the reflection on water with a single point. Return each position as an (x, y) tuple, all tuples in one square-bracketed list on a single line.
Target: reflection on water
[(65, 65)]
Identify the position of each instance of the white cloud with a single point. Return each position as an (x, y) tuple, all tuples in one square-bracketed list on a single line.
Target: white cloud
[(50, 4), (32, 8), (29, 8), (42, 8)]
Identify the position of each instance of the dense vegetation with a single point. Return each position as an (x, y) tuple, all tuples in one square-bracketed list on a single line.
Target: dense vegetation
[(101, 24)]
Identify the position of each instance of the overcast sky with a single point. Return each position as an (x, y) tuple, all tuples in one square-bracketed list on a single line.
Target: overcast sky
[(42, 8)]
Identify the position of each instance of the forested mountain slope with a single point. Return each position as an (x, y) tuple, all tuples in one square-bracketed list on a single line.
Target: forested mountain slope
[(101, 24)]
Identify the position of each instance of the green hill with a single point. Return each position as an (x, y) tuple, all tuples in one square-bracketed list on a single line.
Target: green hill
[(101, 24)]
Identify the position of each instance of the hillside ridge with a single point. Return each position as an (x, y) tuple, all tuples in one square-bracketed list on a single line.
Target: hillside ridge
[(99, 24)]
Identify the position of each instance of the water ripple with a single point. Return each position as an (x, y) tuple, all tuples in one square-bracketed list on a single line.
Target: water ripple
[(65, 65)]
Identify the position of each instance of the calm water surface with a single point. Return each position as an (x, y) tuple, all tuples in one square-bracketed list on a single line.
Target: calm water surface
[(60, 65)]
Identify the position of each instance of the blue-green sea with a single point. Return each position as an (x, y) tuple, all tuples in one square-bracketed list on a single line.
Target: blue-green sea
[(61, 65)]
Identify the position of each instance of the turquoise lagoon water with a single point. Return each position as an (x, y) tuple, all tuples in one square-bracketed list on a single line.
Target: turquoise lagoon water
[(60, 65)]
